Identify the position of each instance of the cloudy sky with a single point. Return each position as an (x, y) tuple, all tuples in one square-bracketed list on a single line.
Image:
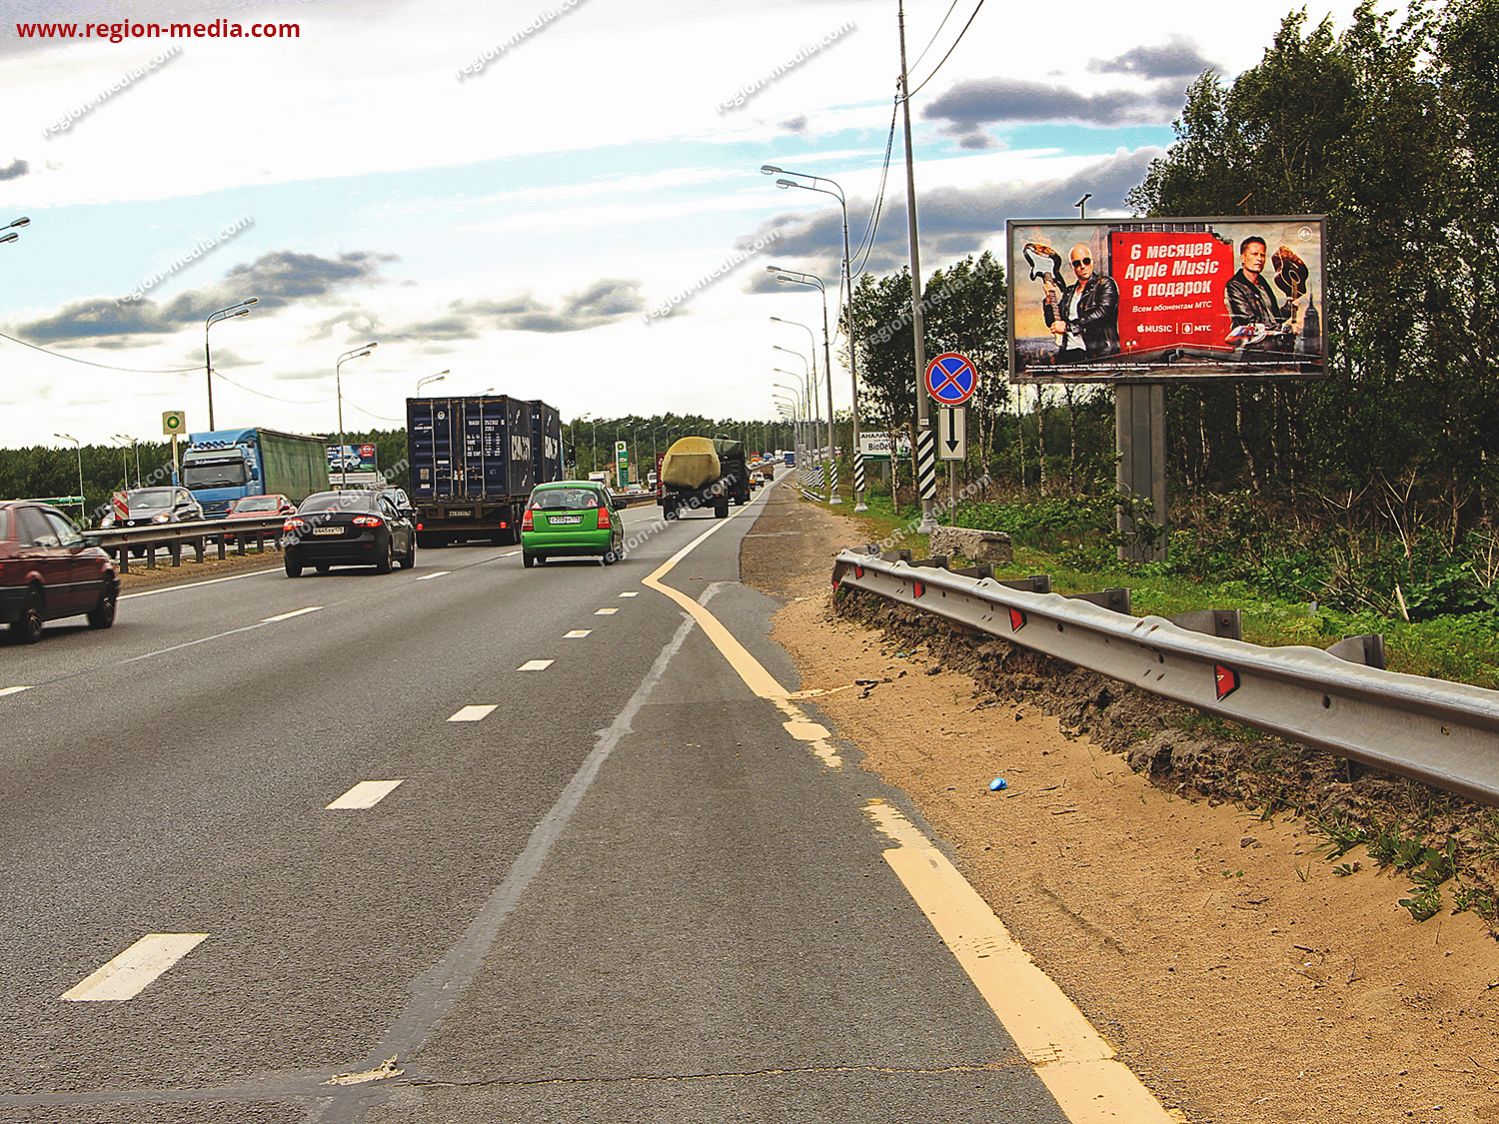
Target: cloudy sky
[(517, 219)]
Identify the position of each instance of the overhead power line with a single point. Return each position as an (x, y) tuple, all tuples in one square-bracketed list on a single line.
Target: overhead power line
[(103, 366), (950, 50), (950, 9)]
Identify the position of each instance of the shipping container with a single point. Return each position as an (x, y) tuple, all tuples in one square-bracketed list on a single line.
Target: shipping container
[(546, 443), (472, 466)]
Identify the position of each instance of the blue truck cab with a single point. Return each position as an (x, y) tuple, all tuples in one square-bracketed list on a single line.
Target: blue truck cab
[(225, 465)]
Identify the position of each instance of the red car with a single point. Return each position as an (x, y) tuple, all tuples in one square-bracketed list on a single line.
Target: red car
[(258, 507), (47, 571)]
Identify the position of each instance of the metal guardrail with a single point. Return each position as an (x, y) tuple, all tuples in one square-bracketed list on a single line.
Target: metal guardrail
[(1441, 733), (196, 534)]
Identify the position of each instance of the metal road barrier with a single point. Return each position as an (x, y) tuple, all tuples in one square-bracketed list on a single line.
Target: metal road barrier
[(196, 534), (1441, 733)]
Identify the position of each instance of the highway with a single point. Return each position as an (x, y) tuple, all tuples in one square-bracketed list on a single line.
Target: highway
[(610, 883)]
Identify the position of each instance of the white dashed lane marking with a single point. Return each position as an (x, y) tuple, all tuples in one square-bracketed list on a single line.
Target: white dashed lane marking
[(473, 714), (575, 634), (605, 612), (535, 665), (438, 574), (134, 970), (17, 690), (629, 594), (365, 794), (293, 613)]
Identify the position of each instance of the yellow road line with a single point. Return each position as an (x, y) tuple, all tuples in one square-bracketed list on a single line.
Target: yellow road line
[(1076, 1064), (755, 677)]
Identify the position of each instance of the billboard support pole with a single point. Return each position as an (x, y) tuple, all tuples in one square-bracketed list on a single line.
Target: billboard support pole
[(1140, 436)]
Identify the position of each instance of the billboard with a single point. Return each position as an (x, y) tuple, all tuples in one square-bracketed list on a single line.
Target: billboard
[(352, 458), (1166, 299)]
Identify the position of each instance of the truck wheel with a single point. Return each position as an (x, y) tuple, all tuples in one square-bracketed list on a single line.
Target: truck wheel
[(669, 510), (721, 508)]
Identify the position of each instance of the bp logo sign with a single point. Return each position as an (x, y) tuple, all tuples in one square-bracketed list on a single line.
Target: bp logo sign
[(173, 422)]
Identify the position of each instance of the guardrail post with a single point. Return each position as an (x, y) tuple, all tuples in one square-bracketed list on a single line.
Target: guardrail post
[(1116, 599), (222, 548), (1036, 583), (1226, 623), (150, 557), (122, 556), (1367, 649)]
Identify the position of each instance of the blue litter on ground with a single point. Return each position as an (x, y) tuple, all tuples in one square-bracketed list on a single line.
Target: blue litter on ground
[(998, 784)]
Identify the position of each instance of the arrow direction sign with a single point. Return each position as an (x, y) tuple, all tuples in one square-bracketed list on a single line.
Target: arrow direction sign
[(952, 433)]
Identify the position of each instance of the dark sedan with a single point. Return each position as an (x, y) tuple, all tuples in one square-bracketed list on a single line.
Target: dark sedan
[(351, 528), (47, 571)]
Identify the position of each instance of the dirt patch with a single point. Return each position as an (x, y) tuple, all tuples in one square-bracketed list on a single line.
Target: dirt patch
[(1234, 969), (140, 578)]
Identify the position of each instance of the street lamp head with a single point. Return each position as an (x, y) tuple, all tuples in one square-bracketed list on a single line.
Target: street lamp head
[(250, 300), (11, 237), (371, 346), (784, 184), (770, 169), (19, 222), (67, 437), (241, 312)]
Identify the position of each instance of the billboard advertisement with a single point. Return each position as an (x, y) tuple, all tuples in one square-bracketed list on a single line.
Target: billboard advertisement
[(352, 458), (1166, 299)]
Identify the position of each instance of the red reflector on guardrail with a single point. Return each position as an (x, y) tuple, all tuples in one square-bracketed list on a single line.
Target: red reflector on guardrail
[(1017, 620), (920, 588), (1225, 680), (858, 571)]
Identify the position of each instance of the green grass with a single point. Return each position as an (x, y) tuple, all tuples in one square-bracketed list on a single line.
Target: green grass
[(1459, 648)]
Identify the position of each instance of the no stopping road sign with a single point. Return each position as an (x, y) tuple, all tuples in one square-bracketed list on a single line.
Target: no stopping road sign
[(951, 379)]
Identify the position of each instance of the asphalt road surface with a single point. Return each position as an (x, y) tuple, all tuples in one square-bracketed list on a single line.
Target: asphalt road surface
[(624, 892)]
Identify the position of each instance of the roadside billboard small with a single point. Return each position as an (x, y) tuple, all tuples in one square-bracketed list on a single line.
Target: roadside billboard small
[(1166, 299), (352, 459)]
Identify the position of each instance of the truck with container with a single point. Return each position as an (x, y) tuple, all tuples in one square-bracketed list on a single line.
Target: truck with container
[(473, 465), (222, 466), (546, 443), (702, 472)]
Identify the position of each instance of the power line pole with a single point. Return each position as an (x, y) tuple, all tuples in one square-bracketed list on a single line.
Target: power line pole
[(926, 445)]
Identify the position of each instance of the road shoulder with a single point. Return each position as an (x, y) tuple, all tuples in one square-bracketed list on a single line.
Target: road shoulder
[(1224, 958)]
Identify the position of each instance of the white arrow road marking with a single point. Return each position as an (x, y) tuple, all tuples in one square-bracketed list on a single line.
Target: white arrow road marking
[(575, 634), (473, 714), (134, 970), (293, 613), (438, 574), (365, 794), (535, 665), (17, 690)]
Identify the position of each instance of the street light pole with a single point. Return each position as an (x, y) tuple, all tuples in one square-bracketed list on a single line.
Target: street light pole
[(792, 277), (136, 449), (836, 191), (439, 377), (240, 309), (78, 445), (338, 381)]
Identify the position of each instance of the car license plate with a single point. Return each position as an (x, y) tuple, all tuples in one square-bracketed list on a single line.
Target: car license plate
[(556, 519), (456, 513), (327, 530)]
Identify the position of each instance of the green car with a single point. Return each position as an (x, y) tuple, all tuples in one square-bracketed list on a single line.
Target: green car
[(571, 518)]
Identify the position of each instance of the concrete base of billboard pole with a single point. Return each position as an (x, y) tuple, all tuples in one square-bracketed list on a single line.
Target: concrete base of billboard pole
[(1140, 433)]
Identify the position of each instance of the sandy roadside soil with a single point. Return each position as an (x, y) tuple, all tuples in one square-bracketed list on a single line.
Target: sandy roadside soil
[(140, 578), (1242, 979)]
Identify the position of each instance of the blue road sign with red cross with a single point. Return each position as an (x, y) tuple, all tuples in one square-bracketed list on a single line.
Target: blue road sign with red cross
[(951, 378)]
